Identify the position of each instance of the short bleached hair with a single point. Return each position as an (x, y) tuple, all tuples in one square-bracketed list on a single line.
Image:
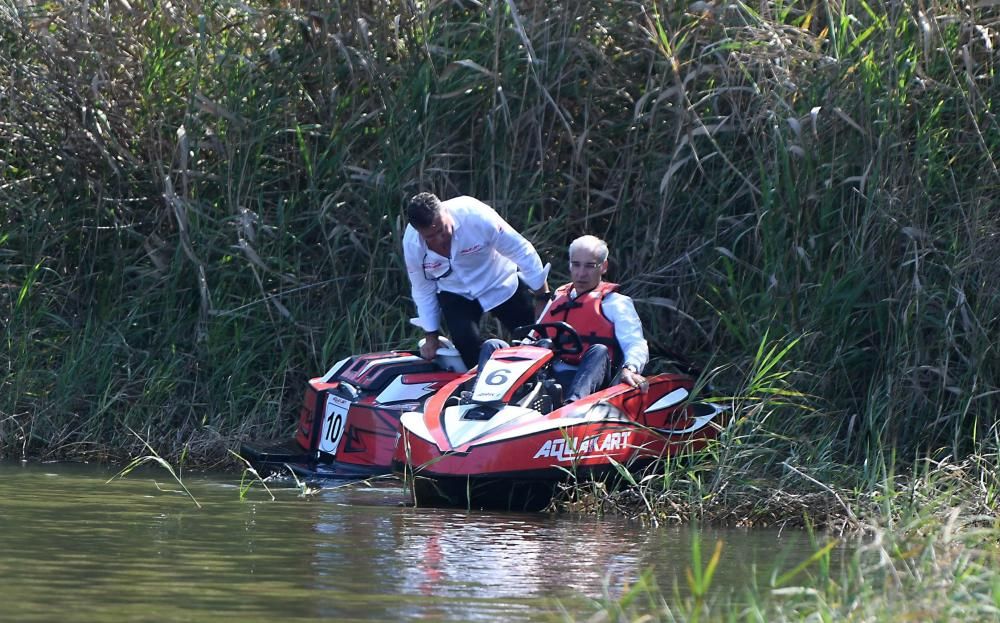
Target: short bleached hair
[(592, 244)]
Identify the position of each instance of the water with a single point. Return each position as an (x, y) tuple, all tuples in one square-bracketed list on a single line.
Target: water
[(74, 547)]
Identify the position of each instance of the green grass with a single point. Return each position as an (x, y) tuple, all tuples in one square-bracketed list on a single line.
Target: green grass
[(929, 553), (200, 211)]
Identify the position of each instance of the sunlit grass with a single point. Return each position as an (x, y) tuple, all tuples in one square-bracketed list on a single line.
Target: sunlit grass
[(154, 458), (931, 557)]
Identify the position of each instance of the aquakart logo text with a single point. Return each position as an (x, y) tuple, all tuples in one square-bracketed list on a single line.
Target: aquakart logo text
[(573, 448)]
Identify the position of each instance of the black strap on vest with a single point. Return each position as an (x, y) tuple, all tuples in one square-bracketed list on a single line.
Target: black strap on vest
[(565, 308), (571, 303), (593, 338)]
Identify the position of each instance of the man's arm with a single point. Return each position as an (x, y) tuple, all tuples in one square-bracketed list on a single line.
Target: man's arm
[(511, 244), (424, 293), (628, 331)]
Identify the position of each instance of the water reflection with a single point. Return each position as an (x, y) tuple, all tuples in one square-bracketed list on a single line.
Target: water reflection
[(502, 556), (77, 548)]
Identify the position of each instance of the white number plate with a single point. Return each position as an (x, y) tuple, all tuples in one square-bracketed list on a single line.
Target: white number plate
[(497, 377), (334, 423)]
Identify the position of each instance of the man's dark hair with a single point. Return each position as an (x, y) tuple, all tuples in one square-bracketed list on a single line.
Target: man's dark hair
[(422, 210)]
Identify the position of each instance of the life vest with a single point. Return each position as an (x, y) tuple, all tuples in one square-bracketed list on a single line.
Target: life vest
[(585, 315)]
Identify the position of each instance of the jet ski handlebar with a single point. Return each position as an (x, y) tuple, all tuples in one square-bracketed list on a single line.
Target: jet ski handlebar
[(559, 336)]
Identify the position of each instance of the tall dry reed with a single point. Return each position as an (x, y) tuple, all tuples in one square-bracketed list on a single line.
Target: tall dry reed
[(202, 204)]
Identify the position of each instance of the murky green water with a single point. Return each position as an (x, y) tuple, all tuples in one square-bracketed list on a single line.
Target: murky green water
[(76, 548)]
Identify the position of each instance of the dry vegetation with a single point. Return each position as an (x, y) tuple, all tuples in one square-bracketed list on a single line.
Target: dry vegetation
[(201, 206)]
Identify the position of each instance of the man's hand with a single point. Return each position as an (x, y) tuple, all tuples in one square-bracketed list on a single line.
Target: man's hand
[(635, 380), (431, 344), (540, 299)]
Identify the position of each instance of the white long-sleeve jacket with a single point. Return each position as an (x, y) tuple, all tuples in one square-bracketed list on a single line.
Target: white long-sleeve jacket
[(487, 256)]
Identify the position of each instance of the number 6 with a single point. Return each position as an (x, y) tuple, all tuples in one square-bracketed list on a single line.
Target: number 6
[(497, 377)]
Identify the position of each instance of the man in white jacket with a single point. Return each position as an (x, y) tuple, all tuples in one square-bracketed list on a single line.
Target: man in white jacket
[(463, 260)]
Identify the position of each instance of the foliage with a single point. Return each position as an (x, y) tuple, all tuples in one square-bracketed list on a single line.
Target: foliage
[(201, 202), (931, 555)]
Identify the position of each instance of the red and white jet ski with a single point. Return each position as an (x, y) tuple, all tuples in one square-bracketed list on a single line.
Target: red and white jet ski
[(503, 438), (349, 420)]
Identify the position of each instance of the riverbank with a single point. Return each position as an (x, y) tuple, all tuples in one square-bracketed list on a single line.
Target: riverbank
[(922, 544), (922, 547)]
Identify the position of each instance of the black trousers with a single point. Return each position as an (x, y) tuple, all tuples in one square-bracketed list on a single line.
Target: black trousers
[(462, 317)]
